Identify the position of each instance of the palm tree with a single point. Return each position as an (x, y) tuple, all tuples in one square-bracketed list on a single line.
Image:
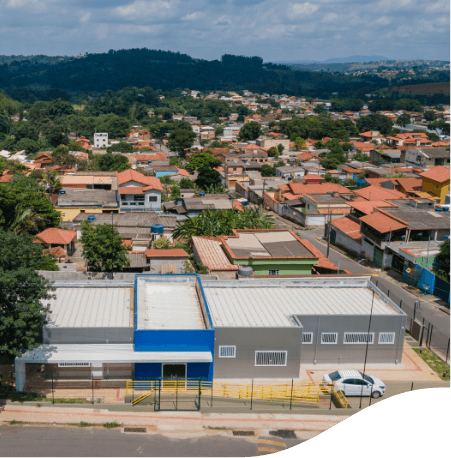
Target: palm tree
[(53, 183), (27, 222)]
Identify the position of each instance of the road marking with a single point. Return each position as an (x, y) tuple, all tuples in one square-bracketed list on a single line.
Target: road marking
[(266, 441)]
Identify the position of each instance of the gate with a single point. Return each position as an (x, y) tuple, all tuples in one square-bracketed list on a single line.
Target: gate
[(378, 256), (178, 394), (441, 289)]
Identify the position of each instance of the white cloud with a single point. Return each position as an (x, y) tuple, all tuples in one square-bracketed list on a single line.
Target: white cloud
[(303, 9), (193, 16)]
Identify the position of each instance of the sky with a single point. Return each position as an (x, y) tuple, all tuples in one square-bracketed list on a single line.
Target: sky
[(276, 30)]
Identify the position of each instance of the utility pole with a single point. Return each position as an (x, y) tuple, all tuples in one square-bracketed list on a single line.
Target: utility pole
[(263, 196), (328, 234), (112, 239)]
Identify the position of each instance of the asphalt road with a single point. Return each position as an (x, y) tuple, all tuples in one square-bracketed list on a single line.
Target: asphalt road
[(18, 440)]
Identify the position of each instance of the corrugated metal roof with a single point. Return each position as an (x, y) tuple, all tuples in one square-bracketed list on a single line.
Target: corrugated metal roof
[(109, 353), (167, 305), (260, 306), (91, 308)]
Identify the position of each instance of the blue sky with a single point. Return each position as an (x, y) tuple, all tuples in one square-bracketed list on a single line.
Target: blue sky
[(276, 30)]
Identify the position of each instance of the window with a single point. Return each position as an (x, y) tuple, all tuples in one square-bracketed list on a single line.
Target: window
[(74, 364), (227, 351), (139, 198), (270, 358), (358, 338), (273, 272), (153, 198), (307, 337), (329, 338), (386, 338)]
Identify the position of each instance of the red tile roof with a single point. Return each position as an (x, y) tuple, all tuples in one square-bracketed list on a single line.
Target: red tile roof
[(368, 207), (323, 188), (382, 223), (409, 184), (133, 175), (349, 226), (183, 172), (157, 156), (211, 254), (376, 193), (170, 253), (55, 236), (306, 156), (6, 178), (437, 173)]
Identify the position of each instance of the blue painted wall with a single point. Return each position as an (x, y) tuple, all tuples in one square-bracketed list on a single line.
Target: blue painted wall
[(175, 340), (147, 371), (199, 370), (163, 174)]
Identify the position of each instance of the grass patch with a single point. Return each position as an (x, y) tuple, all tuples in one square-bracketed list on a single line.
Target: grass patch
[(111, 425), (83, 424), (434, 362), (16, 422)]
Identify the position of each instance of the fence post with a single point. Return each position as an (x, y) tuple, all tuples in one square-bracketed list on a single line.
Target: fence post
[(371, 395), (388, 292), (447, 353), (291, 397), (411, 388), (200, 393), (430, 336), (133, 393), (211, 401), (252, 392), (176, 391), (331, 394), (400, 304), (92, 388), (53, 392)]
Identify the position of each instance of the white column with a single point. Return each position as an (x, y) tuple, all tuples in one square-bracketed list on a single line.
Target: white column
[(21, 375)]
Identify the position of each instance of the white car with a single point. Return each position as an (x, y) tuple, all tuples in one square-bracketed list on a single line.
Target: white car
[(353, 383)]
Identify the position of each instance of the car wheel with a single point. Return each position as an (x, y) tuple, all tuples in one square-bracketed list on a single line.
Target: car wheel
[(376, 395)]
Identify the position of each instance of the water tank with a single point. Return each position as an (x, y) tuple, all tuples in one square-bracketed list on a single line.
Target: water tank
[(202, 194), (245, 271), (91, 218), (157, 229), (62, 192)]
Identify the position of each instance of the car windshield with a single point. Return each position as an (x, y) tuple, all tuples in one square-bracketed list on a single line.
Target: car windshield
[(368, 378), (334, 376)]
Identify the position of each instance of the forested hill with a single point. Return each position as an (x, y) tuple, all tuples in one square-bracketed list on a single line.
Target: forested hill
[(30, 79)]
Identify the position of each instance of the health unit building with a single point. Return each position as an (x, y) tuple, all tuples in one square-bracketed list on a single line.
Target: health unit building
[(165, 326)]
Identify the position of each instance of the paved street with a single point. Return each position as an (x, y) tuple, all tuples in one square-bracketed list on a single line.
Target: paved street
[(18, 440)]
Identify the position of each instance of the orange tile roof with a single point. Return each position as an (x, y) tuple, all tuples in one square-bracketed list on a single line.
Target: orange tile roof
[(133, 175), (382, 223), (376, 193), (437, 173), (349, 226), (368, 207), (157, 156), (362, 146), (183, 172), (55, 236), (409, 184), (170, 253), (211, 254), (6, 178), (306, 156), (127, 242), (323, 188)]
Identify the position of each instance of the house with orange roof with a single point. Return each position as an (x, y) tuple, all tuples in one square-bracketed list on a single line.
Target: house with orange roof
[(138, 192), (345, 232), (376, 193), (55, 237), (436, 182), (427, 157), (372, 135), (411, 139)]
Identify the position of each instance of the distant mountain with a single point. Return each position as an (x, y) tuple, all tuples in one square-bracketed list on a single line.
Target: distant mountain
[(338, 60)]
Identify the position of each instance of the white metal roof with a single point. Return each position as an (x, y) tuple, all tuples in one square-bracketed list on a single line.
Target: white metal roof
[(91, 308), (260, 306), (168, 305), (109, 353)]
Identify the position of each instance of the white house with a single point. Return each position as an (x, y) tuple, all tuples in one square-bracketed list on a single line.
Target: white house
[(100, 140)]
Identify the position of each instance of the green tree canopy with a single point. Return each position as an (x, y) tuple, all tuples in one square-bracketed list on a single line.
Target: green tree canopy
[(111, 162), (430, 116), (250, 131), (268, 171), (30, 146), (273, 152), (121, 147), (442, 261), (221, 222), (403, 120), (22, 313), (102, 248), (375, 121)]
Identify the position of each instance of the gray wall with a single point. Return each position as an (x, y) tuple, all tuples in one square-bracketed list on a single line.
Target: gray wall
[(52, 335), (347, 242), (247, 341), (156, 263), (341, 353)]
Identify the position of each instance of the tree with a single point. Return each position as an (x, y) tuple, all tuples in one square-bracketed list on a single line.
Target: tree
[(24, 129), (111, 162), (185, 183), (403, 120), (430, 116), (442, 261), (280, 147), (375, 121), (349, 182), (273, 152), (221, 222), (328, 178), (22, 313), (118, 127), (268, 171), (61, 156), (181, 139), (30, 146), (102, 248), (219, 131), (299, 144), (121, 147), (208, 178), (55, 137), (53, 182), (319, 109), (202, 161), (250, 131)]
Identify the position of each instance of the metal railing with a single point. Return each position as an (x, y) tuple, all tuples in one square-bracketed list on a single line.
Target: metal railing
[(295, 393)]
